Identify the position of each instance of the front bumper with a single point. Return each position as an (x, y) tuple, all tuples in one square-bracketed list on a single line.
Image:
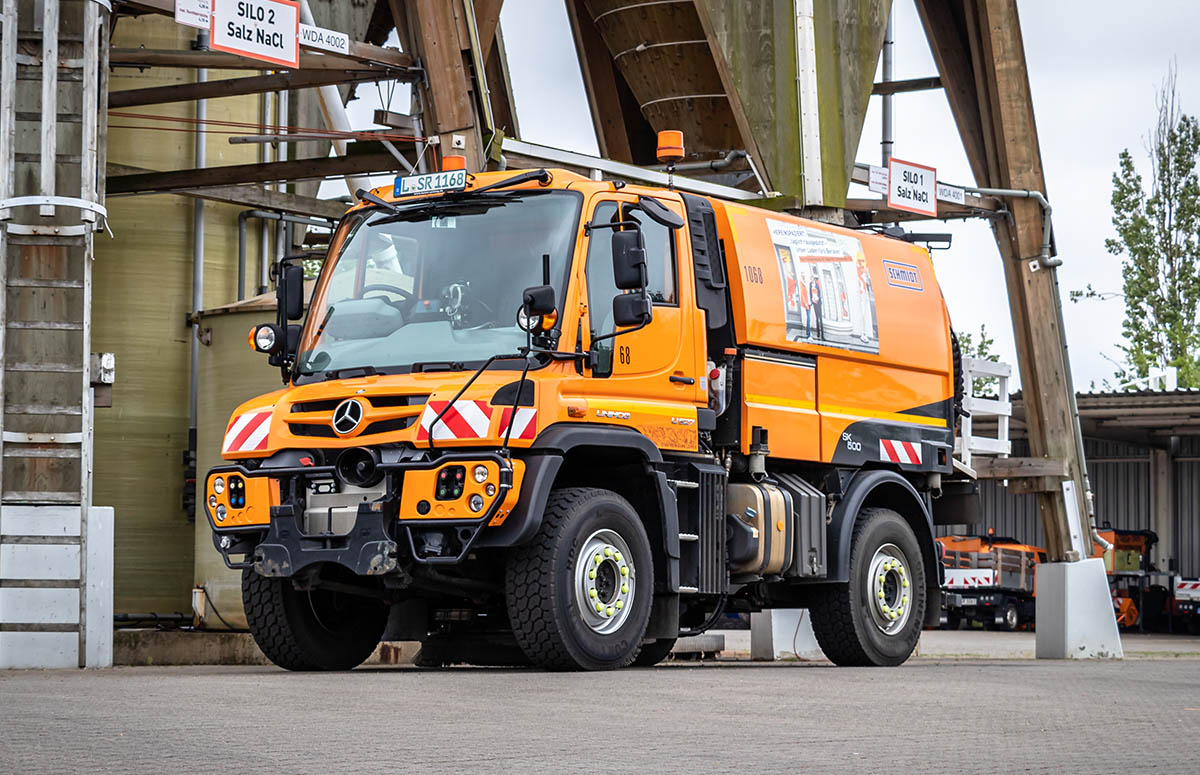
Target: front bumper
[(407, 522)]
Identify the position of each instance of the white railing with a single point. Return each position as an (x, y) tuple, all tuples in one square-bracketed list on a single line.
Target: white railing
[(967, 444)]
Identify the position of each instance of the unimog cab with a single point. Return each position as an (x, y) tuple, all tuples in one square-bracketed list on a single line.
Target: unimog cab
[(534, 418)]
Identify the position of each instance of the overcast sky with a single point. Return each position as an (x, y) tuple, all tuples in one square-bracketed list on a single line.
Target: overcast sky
[(1094, 68)]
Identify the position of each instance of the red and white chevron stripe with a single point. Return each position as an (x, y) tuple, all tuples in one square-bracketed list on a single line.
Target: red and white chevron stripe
[(467, 419), (524, 428), (1188, 589), (248, 432), (968, 578), (895, 451)]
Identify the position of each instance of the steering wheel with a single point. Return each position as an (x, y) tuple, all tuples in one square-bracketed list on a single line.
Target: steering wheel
[(384, 287)]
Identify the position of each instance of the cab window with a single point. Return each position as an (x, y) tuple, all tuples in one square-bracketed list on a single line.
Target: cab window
[(660, 261)]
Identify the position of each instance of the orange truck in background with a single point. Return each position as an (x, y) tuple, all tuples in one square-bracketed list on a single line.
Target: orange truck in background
[(989, 580), (537, 418)]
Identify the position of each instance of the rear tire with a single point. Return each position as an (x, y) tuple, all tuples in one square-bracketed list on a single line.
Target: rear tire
[(1007, 618), (853, 624), (317, 630), (654, 652), (568, 609)]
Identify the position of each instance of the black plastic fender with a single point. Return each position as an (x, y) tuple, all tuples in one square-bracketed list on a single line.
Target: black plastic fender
[(840, 529), (543, 461)]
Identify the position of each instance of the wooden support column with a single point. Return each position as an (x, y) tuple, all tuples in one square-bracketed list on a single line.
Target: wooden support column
[(980, 55), (439, 37)]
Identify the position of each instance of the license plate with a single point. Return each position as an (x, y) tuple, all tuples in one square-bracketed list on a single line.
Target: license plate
[(453, 180), (970, 600)]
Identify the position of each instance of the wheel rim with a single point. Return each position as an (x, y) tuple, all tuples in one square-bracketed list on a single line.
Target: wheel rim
[(1010, 618), (605, 581), (889, 599)]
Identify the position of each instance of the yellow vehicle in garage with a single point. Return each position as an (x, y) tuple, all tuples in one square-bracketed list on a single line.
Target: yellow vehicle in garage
[(536, 418)]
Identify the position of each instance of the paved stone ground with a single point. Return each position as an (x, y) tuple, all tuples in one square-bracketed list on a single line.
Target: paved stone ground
[(1140, 715)]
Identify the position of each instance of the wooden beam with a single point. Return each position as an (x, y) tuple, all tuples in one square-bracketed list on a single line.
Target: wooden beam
[(487, 23), (249, 196), (980, 55), (600, 83), (262, 172), (233, 87), (447, 92), (219, 60), (909, 85), (1018, 467), (946, 36)]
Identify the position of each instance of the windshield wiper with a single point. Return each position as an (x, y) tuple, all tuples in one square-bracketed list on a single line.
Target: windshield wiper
[(367, 196), (541, 176), (427, 366)]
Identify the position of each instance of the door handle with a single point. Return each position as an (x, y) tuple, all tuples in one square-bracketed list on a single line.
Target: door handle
[(682, 380)]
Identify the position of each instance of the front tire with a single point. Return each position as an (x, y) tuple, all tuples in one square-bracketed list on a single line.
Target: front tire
[(310, 630), (650, 654), (875, 619), (579, 593)]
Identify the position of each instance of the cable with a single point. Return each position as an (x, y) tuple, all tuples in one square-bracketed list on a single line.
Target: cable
[(796, 634), (267, 128), (209, 604)]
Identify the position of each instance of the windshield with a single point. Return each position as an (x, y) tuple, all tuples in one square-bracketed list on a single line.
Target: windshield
[(436, 285)]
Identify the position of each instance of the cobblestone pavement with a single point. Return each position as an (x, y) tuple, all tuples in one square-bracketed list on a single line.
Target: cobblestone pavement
[(927, 716)]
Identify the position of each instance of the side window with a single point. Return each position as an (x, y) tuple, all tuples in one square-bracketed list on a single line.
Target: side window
[(660, 256)]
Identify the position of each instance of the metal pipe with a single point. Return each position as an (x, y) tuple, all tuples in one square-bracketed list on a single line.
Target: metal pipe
[(716, 165), (334, 111), (197, 252), (1023, 193), (889, 44)]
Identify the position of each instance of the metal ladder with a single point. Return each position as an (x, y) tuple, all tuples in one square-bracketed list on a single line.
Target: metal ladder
[(55, 550)]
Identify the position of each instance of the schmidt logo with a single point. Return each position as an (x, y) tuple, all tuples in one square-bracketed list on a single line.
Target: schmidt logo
[(903, 276)]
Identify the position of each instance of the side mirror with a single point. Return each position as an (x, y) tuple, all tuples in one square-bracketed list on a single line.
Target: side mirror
[(538, 300), (632, 309), (291, 292), (629, 260)]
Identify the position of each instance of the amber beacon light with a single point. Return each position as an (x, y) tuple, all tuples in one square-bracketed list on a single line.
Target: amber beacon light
[(453, 162)]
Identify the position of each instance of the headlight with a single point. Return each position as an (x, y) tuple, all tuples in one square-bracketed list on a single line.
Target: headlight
[(212, 501), (264, 339), (218, 485), (476, 502), (220, 513), (480, 473), (490, 489)]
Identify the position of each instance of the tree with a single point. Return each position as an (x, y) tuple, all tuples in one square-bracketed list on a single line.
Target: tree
[(980, 348), (1158, 238)]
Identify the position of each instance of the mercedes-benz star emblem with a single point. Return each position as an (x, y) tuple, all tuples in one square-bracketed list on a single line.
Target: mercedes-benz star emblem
[(347, 416)]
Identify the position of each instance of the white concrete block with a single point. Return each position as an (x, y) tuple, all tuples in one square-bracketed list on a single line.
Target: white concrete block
[(39, 606), (40, 520), (98, 622), (39, 649), (783, 633), (1075, 618), (55, 562)]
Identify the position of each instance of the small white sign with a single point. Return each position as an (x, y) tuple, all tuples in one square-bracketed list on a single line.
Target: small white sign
[(323, 39), (267, 30), (878, 182), (912, 187), (453, 180), (193, 13), (949, 193)]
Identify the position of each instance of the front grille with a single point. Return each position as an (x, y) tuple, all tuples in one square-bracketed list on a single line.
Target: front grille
[(327, 405), (319, 431), (390, 401), (387, 426)]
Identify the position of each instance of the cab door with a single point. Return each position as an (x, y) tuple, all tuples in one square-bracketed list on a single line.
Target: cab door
[(651, 373)]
